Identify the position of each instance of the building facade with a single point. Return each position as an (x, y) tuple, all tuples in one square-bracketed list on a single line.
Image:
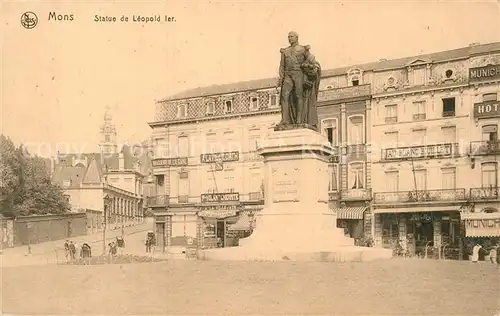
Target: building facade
[(108, 185), (403, 131), (423, 131)]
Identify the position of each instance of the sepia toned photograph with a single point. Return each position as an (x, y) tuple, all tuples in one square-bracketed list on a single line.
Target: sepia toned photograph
[(250, 158)]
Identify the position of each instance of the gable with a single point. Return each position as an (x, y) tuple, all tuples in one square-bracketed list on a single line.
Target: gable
[(93, 173), (419, 62)]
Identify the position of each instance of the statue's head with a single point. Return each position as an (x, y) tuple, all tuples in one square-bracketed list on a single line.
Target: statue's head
[(293, 37)]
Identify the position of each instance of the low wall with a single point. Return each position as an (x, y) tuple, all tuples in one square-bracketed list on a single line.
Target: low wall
[(43, 228)]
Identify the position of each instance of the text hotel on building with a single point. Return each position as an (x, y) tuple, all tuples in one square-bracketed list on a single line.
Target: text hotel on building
[(416, 153)]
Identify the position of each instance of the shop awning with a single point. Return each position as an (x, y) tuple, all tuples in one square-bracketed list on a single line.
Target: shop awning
[(354, 212), (414, 209), (245, 222), (481, 224)]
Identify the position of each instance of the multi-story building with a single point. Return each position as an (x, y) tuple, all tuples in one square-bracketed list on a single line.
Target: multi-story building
[(423, 129), (344, 113), (107, 180), (401, 128)]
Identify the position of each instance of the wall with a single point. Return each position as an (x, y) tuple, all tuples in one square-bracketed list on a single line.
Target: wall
[(43, 228)]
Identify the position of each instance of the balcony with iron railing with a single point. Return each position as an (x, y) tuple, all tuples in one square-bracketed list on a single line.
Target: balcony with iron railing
[(255, 196), (484, 148), (356, 194), (448, 113), (487, 193), (418, 196), (157, 201)]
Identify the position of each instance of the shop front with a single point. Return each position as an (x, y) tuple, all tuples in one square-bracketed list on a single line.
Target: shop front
[(424, 232), (482, 226), (247, 221), (351, 219), (216, 213)]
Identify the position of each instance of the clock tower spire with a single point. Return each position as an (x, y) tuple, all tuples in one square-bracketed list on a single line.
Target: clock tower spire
[(108, 134)]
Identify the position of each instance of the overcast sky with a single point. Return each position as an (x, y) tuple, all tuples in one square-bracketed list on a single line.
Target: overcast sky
[(58, 77)]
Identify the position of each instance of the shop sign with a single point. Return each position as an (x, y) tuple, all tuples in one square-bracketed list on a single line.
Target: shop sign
[(487, 109), (421, 217), (217, 213), (484, 73), (220, 197), (220, 207), (169, 162), (430, 151), (482, 227), (223, 157)]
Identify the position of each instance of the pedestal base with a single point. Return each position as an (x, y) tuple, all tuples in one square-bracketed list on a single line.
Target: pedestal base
[(296, 223), (335, 254)]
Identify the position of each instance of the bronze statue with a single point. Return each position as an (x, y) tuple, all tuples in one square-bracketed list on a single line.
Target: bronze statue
[(299, 79)]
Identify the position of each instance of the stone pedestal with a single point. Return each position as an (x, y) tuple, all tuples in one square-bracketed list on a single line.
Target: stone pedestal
[(296, 223)]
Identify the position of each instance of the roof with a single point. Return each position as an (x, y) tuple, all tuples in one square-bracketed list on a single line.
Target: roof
[(259, 84), (65, 173), (111, 160)]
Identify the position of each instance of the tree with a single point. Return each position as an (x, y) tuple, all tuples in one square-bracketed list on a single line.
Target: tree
[(28, 189)]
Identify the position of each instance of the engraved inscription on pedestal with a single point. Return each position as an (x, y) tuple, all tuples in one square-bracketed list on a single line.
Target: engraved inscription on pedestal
[(285, 185)]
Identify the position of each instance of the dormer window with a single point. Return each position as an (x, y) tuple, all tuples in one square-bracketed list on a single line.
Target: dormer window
[(210, 108), (182, 110), (254, 102), (228, 106), (354, 76)]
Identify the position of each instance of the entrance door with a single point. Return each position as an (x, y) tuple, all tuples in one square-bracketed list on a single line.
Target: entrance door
[(221, 233), (424, 236), (160, 236)]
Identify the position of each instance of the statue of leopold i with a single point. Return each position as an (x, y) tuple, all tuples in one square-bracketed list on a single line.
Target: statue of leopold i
[(299, 79)]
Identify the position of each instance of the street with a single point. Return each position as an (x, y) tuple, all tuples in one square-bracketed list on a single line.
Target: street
[(53, 252), (392, 287)]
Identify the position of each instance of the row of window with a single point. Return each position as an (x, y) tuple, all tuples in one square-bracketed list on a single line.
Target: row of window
[(448, 177), (222, 182), (420, 109), (228, 105)]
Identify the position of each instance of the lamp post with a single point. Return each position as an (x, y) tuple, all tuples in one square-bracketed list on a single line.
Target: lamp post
[(107, 200)]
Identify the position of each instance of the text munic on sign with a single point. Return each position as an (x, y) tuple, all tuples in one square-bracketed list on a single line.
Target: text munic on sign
[(224, 157), (484, 73)]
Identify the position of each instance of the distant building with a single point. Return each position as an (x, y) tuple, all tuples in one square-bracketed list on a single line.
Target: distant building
[(109, 180)]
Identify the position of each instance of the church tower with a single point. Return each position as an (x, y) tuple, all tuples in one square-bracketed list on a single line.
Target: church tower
[(108, 143)]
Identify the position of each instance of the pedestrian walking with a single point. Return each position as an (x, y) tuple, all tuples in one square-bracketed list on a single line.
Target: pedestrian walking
[(493, 254), (72, 250), (66, 249), (475, 253)]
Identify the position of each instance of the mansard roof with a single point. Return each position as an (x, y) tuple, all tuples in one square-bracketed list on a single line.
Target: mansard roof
[(268, 83)]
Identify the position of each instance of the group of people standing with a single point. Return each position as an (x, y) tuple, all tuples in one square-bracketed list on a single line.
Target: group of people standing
[(70, 250), (492, 253)]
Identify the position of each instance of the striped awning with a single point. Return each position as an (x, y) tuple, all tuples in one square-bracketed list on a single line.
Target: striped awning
[(354, 212), (245, 222)]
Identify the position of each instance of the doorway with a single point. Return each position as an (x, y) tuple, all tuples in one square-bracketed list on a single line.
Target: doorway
[(160, 236), (221, 233), (423, 236)]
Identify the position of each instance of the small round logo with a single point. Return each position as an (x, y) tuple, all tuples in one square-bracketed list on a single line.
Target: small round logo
[(29, 20)]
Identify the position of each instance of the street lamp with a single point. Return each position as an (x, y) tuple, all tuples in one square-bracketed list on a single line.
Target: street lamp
[(107, 201)]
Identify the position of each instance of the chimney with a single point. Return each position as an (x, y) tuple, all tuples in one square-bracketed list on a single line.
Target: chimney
[(121, 162)]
